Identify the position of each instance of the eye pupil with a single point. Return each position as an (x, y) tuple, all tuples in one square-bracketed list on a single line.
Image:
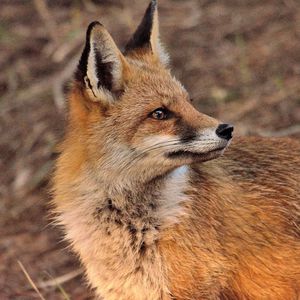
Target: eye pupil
[(159, 114)]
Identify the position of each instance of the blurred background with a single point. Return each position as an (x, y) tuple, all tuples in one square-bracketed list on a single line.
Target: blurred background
[(240, 60)]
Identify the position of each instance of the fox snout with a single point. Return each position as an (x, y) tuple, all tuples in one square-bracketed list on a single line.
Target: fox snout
[(205, 145)]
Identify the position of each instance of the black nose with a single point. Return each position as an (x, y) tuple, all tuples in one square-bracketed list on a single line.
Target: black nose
[(224, 131)]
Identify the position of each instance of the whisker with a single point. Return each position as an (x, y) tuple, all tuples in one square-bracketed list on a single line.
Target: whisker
[(158, 146), (152, 148), (141, 155), (126, 163)]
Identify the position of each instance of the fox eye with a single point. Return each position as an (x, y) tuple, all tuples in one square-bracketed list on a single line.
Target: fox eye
[(160, 114)]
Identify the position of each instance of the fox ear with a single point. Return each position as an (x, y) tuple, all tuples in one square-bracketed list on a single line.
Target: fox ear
[(146, 35), (101, 66)]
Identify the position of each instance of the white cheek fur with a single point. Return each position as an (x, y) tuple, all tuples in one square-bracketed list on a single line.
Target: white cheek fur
[(157, 140), (207, 140)]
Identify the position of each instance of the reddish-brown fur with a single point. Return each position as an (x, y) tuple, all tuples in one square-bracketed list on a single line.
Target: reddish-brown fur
[(243, 226), (239, 235)]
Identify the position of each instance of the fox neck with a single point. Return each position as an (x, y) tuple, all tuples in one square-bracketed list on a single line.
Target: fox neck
[(115, 231), (118, 176), (137, 197)]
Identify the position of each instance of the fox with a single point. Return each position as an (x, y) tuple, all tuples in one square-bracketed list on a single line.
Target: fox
[(152, 198)]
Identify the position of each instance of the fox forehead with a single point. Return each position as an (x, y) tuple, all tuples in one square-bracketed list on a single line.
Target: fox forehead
[(151, 81)]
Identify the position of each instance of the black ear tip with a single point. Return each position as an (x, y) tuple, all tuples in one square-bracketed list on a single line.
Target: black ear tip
[(94, 23), (151, 8), (91, 26), (153, 5)]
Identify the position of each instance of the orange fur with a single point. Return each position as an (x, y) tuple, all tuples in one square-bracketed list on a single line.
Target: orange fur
[(149, 206), (242, 226)]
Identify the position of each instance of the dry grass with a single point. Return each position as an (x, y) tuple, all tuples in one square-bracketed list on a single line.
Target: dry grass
[(33, 285)]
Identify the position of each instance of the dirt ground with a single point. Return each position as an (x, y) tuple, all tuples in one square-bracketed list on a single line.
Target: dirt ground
[(240, 60)]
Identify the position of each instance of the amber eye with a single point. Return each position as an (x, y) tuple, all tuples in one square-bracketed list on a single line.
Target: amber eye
[(160, 114)]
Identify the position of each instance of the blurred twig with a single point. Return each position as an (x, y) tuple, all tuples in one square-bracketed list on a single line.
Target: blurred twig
[(89, 5), (39, 176), (239, 111), (58, 84), (42, 9), (54, 83), (30, 280), (27, 95), (281, 132), (60, 279), (68, 47), (290, 3)]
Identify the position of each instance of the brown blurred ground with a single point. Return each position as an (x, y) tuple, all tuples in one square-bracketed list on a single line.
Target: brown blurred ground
[(240, 60)]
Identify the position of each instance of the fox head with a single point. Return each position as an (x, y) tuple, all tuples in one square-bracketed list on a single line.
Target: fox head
[(130, 117)]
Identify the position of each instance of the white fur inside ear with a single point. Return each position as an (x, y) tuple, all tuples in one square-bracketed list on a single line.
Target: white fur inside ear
[(157, 48), (103, 48), (162, 54), (97, 94)]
